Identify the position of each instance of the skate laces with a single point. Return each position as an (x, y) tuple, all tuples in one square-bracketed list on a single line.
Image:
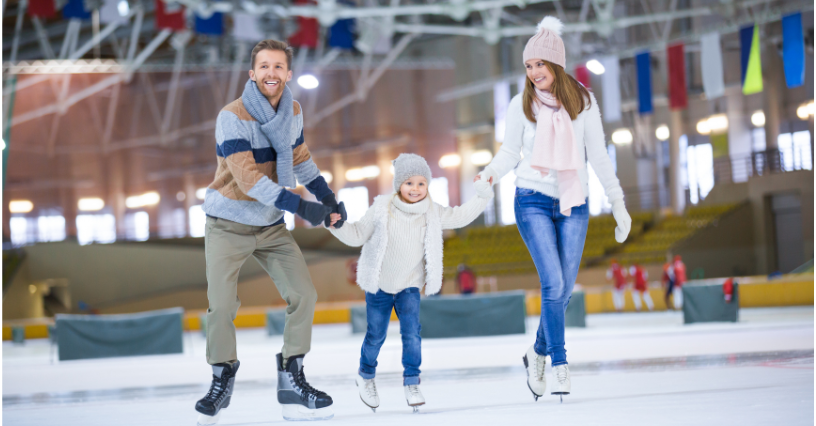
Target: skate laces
[(413, 390), (217, 388), (307, 388), (540, 363), (370, 387), (561, 373)]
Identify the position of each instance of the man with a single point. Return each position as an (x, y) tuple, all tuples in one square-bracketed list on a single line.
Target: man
[(260, 151), (465, 279), (641, 287), (679, 271), (617, 275)]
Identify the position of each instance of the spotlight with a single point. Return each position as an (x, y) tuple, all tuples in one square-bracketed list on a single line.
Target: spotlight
[(622, 137), (450, 160), (662, 132), (758, 119), (90, 204), (308, 81), (20, 206), (481, 157), (595, 67)]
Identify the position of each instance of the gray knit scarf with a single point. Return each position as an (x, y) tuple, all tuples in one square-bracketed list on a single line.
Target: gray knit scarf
[(276, 126)]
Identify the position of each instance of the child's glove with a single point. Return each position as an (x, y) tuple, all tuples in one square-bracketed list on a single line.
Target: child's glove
[(331, 201), (483, 189)]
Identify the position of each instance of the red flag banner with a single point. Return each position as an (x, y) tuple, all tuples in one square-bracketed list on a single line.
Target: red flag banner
[(582, 75), (308, 29), (678, 96), (173, 21)]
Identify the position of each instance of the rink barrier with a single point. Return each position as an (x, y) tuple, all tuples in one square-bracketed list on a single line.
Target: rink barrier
[(706, 303), (481, 314), (755, 292)]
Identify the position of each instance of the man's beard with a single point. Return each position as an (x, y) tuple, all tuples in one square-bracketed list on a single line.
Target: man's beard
[(265, 90)]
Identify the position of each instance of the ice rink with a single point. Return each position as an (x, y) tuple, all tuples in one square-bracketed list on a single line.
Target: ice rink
[(627, 369)]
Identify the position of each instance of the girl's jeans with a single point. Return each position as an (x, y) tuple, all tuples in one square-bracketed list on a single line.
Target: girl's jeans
[(378, 314), (556, 243)]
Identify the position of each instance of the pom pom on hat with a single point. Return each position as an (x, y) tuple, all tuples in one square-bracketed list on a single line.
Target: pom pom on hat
[(550, 23)]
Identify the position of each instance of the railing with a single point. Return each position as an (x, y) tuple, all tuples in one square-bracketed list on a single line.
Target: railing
[(740, 168)]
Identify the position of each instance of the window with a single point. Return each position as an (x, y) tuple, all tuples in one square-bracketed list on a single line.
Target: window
[(137, 226), (198, 221), (507, 192), (96, 227), (50, 228), (598, 201), (356, 201), (438, 190), (699, 171), (795, 150), (758, 139), (23, 230)]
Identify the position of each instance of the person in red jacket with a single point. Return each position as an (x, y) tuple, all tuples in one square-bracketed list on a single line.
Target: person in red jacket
[(639, 279), (617, 275), (679, 270), (465, 279)]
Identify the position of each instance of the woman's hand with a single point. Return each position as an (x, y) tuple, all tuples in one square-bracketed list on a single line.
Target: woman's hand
[(486, 175), (623, 219)]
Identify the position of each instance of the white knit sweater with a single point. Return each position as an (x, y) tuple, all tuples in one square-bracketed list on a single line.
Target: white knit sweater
[(402, 243), (520, 138)]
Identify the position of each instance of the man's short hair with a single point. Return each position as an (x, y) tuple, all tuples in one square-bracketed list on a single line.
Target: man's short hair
[(273, 45)]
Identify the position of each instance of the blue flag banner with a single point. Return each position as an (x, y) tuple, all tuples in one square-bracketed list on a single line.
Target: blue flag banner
[(644, 82), (793, 49), (75, 9), (746, 36), (214, 25)]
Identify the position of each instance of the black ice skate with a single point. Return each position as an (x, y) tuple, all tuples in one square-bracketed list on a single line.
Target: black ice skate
[(300, 401), (219, 395)]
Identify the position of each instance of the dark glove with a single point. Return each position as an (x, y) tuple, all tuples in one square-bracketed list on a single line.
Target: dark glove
[(330, 201), (314, 213)]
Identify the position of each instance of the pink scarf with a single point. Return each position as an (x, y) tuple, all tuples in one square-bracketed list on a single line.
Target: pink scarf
[(555, 149)]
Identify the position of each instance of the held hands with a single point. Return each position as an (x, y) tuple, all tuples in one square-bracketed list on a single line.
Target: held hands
[(483, 189), (623, 219), (337, 210), (314, 213), (486, 175)]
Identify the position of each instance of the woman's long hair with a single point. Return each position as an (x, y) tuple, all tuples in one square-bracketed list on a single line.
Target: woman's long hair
[(567, 90)]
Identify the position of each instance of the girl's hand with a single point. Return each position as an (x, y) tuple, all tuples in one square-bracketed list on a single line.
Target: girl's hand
[(334, 218), (479, 177)]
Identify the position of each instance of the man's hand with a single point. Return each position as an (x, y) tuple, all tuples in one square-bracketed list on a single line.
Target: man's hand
[(314, 213), (339, 209)]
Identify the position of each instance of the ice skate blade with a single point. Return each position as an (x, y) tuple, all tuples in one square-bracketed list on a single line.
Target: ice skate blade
[(535, 395), (369, 406), (297, 412), (416, 408), (205, 420)]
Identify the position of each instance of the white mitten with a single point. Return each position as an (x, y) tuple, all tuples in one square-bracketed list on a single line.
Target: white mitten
[(488, 173), (483, 189), (623, 219)]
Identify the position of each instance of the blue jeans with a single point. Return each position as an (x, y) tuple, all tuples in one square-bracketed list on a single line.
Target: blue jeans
[(556, 243), (378, 315)]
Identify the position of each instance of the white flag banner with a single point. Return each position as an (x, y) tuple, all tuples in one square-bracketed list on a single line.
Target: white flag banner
[(113, 10), (610, 82), (501, 99), (245, 27), (643, 134), (712, 66)]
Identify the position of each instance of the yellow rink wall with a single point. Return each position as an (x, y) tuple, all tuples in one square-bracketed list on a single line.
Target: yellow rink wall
[(754, 292)]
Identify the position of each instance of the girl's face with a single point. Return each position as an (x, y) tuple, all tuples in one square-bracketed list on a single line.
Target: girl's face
[(414, 189), (539, 74)]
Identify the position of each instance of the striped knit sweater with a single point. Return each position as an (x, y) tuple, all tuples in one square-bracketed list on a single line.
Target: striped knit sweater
[(245, 188)]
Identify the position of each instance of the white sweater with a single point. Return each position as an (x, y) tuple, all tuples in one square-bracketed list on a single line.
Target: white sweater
[(520, 137), (402, 243)]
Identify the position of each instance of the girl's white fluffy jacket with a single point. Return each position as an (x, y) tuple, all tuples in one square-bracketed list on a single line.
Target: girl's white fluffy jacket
[(372, 233), (520, 137)]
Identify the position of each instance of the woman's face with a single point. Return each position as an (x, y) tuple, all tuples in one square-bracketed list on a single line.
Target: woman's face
[(539, 74)]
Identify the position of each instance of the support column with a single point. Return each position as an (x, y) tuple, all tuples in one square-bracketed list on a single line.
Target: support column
[(116, 194), (385, 180), (189, 188), (676, 191), (739, 135), (339, 172), (773, 79)]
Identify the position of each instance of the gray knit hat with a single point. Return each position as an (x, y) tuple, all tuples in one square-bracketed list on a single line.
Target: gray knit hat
[(407, 165)]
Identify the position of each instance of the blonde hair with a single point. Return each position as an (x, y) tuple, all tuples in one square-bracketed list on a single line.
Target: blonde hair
[(566, 89)]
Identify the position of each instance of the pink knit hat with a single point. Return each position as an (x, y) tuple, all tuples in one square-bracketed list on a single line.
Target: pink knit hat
[(546, 44)]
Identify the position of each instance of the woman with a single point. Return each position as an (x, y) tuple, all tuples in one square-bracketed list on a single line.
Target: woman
[(556, 124)]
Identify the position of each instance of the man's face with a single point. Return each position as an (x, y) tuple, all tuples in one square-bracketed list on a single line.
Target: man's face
[(271, 73)]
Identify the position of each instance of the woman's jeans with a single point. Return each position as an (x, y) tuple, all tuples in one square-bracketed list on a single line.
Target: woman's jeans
[(556, 243), (378, 314)]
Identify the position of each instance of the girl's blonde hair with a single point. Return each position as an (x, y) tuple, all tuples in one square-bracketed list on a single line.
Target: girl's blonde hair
[(567, 90)]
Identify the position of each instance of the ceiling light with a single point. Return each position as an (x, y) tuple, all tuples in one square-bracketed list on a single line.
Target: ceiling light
[(90, 204), (450, 160), (360, 173), (805, 110), (702, 127), (181, 196), (758, 119), (595, 67), (308, 81), (622, 137), (662, 132), (481, 157), (20, 206), (718, 122), (146, 199)]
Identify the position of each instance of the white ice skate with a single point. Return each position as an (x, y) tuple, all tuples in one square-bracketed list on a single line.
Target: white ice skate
[(536, 380), (414, 397), (205, 420), (562, 383), (368, 392)]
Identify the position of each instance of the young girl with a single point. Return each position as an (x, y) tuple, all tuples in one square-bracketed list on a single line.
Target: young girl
[(556, 123), (401, 235)]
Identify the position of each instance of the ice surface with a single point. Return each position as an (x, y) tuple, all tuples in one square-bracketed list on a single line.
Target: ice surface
[(627, 369)]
